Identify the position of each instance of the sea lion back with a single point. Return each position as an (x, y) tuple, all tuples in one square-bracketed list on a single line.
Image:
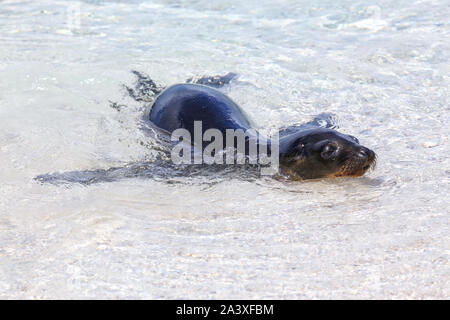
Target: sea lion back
[(180, 105)]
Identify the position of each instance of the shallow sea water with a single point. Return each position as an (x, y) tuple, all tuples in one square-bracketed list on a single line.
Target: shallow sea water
[(381, 66)]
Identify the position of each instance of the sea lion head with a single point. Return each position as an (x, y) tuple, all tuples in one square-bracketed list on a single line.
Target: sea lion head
[(324, 153)]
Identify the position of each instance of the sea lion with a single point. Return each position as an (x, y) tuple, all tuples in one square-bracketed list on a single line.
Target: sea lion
[(306, 151)]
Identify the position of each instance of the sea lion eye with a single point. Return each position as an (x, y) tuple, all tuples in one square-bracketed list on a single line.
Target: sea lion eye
[(329, 151), (297, 148), (354, 139)]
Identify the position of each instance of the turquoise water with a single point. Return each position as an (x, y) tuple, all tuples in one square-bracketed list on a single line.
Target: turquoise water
[(381, 66)]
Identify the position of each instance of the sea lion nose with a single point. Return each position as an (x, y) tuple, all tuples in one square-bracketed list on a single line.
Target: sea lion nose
[(364, 152)]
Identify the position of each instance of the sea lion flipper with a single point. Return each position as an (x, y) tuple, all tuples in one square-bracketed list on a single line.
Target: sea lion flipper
[(87, 177), (152, 170), (84, 177), (325, 120), (214, 81), (145, 89)]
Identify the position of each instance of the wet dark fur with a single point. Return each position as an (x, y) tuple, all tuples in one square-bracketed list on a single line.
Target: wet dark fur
[(323, 152)]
